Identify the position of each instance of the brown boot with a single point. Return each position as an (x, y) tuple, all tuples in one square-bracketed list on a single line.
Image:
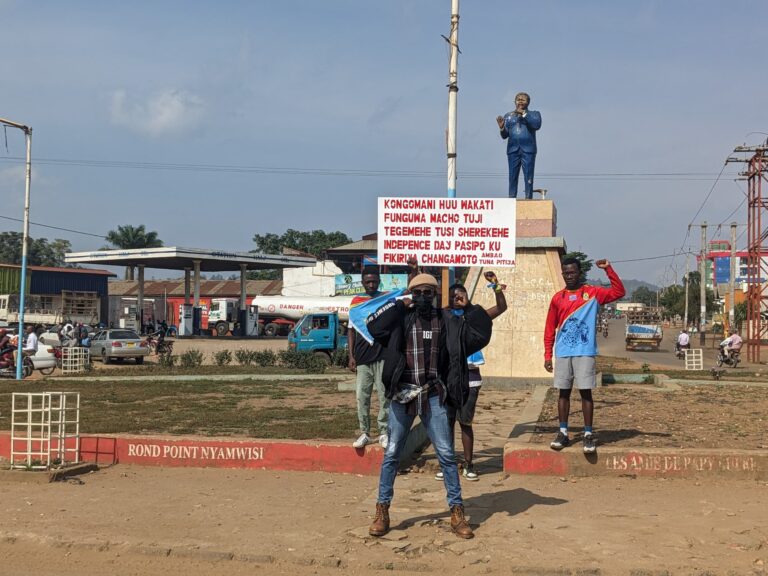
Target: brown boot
[(459, 523), (380, 524)]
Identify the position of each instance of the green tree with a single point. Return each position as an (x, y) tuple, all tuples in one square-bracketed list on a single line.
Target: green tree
[(41, 252), (644, 295), (314, 242), (672, 299), (586, 263), (740, 314), (130, 237)]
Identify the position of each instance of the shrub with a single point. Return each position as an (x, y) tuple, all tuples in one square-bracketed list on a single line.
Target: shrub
[(191, 359), (167, 360), (293, 358), (222, 357), (265, 357), (243, 357), (309, 361), (316, 364), (340, 357)]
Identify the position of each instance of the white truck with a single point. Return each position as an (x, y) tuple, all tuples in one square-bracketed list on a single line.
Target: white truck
[(223, 315), (279, 314), (51, 309), (644, 329)]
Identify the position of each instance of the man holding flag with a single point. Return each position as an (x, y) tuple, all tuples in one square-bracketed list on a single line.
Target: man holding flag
[(365, 359)]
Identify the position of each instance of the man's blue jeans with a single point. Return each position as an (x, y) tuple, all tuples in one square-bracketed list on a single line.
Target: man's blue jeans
[(528, 162), (439, 432)]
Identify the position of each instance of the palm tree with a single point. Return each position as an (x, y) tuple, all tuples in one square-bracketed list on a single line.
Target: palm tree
[(129, 237)]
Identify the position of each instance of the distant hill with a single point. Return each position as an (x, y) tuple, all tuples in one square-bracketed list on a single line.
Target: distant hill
[(630, 285)]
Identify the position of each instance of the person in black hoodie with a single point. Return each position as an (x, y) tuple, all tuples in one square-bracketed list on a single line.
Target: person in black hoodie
[(425, 371)]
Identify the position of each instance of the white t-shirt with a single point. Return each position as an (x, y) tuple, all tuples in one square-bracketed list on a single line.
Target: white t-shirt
[(31, 344), (683, 339)]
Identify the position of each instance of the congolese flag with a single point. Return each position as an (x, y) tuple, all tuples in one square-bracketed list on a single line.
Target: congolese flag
[(359, 312)]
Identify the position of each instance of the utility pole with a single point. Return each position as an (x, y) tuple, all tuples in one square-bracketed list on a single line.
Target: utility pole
[(24, 239), (732, 281), (453, 93), (703, 284), (757, 246), (687, 283)]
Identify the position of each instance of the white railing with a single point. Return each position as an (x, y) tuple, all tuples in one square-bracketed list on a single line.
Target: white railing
[(75, 360), (45, 429)]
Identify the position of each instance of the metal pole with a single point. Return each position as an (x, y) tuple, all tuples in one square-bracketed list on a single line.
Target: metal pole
[(687, 283), (732, 281), (140, 300), (453, 91), (703, 284), (24, 240), (24, 250)]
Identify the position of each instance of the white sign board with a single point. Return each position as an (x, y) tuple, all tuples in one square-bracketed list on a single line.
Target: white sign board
[(447, 231)]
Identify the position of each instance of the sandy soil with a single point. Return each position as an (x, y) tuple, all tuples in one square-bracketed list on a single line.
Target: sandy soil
[(133, 520), (648, 416)]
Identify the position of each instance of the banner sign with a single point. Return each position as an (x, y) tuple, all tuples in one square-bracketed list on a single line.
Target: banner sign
[(447, 231), (351, 284)]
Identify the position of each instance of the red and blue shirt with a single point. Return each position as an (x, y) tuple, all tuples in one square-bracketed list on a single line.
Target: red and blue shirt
[(572, 318)]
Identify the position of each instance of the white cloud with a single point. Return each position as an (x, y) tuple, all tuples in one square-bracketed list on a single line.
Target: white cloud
[(168, 112), (13, 175)]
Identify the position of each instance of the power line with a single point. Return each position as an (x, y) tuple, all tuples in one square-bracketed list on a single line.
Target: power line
[(299, 171), (654, 257), (56, 227), (704, 202)]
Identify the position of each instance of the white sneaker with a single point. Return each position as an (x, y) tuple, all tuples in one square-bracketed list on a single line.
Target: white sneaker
[(361, 441), (384, 441), (439, 476)]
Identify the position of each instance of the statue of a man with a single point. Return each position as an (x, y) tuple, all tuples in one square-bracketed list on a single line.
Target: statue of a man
[(519, 128)]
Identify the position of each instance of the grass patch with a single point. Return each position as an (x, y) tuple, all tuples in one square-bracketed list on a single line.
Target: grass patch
[(297, 409)]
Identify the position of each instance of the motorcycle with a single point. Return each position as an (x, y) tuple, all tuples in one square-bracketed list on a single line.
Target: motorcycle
[(731, 359), (680, 350), (159, 346), (8, 366)]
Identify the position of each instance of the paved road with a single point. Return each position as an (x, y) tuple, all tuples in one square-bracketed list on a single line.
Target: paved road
[(614, 346)]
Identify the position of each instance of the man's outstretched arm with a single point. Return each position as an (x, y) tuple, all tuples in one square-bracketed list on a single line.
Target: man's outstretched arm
[(616, 291)]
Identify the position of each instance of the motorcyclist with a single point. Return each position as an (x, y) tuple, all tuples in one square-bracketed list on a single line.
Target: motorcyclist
[(67, 335), (30, 343), (5, 341), (731, 344), (683, 341)]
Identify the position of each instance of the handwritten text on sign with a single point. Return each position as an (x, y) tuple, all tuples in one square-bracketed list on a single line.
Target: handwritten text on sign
[(447, 231)]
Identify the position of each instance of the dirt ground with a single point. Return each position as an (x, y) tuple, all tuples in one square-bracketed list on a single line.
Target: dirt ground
[(650, 416), (151, 521)]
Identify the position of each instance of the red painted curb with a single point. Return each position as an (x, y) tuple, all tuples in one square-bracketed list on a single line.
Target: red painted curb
[(221, 453), (537, 462), (520, 458)]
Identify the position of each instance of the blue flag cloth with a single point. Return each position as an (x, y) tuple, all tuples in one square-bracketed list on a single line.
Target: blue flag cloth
[(358, 313), (576, 336), (476, 359)]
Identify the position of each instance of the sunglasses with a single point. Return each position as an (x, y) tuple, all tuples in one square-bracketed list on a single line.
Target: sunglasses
[(427, 293)]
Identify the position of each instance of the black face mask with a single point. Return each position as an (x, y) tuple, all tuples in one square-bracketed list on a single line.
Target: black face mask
[(423, 304)]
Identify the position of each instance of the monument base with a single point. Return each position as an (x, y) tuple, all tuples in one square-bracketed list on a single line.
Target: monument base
[(517, 347)]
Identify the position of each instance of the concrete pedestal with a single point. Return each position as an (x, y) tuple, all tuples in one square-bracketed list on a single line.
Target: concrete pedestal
[(516, 350)]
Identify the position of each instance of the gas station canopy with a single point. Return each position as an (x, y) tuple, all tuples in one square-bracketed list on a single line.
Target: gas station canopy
[(194, 261), (174, 258)]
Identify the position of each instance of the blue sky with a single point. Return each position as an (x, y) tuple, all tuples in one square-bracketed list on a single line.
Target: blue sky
[(347, 85)]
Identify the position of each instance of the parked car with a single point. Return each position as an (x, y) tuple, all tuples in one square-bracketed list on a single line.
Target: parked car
[(118, 343), (44, 359)]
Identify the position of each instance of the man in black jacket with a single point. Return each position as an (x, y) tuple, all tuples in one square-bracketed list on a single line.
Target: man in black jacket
[(425, 370)]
